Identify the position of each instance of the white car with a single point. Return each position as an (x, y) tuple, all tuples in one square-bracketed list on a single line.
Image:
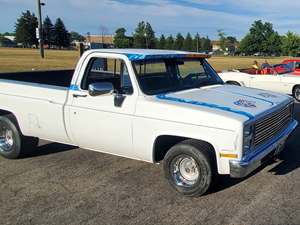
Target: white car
[(150, 105), (285, 83)]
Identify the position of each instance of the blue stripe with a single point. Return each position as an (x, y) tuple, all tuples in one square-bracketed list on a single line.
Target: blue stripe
[(137, 57), (74, 87), (262, 99), (204, 104)]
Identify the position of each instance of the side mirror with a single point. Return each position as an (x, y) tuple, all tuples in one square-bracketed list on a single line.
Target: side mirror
[(102, 88)]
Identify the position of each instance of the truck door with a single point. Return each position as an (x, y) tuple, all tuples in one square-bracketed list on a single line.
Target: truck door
[(104, 122)]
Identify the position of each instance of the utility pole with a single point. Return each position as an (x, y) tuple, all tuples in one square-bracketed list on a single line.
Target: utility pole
[(40, 28)]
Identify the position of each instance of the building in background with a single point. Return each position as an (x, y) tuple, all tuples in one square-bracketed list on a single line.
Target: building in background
[(216, 45), (99, 41)]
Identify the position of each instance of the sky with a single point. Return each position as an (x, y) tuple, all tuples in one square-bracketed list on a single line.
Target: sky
[(234, 17)]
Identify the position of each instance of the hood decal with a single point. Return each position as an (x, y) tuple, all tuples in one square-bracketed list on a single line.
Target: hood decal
[(245, 103), (261, 99), (204, 104), (267, 95)]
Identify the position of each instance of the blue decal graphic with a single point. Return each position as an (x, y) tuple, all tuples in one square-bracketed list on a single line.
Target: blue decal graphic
[(265, 100), (245, 103), (204, 104), (267, 95), (74, 87)]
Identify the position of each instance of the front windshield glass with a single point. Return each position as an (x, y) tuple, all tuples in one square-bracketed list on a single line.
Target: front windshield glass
[(170, 75), (283, 68)]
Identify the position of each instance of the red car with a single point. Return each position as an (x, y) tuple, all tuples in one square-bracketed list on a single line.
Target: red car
[(271, 70), (294, 64)]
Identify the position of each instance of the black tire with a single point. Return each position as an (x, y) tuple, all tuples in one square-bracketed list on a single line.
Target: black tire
[(233, 83), (296, 93), (200, 155), (21, 145)]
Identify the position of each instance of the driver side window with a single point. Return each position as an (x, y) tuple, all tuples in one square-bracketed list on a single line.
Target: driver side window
[(109, 70)]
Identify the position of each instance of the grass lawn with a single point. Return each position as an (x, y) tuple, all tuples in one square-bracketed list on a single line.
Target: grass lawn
[(17, 59)]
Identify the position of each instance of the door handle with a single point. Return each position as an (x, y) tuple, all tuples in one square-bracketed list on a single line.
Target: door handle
[(79, 95)]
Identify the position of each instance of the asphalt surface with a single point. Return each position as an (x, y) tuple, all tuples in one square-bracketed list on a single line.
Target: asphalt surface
[(60, 184)]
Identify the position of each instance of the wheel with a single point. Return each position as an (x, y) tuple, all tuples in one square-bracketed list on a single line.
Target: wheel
[(12, 143), (233, 83), (296, 93), (190, 167)]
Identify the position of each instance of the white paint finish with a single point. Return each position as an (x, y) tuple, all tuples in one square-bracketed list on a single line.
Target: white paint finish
[(95, 123), (39, 108), (283, 83)]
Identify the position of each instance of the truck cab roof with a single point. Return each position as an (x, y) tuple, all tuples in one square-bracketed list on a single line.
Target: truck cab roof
[(143, 54)]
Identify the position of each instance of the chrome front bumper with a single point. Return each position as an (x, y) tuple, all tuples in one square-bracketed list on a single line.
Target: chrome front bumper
[(241, 168)]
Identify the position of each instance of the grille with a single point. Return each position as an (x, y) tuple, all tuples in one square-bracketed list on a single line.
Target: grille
[(271, 125)]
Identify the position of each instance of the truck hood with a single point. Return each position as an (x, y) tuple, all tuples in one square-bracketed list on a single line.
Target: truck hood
[(247, 102)]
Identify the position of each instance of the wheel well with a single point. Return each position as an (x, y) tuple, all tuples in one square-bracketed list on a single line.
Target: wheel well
[(233, 82), (163, 144), (297, 85), (4, 112)]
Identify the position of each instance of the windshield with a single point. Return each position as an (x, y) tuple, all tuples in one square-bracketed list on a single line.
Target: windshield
[(170, 75), (283, 68)]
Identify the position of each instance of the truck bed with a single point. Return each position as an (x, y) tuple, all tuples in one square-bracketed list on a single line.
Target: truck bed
[(60, 78)]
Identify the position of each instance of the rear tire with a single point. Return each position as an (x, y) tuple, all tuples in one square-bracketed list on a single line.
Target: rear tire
[(13, 144), (190, 168), (296, 93)]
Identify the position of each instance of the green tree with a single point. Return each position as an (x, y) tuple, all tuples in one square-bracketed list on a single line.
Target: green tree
[(149, 36), (231, 43), (162, 42), (206, 44), (26, 29), (222, 39), (120, 38), (197, 43), (261, 38), (290, 44), (170, 42), (178, 43), (75, 36), (61, 34), (139, 40), (188, 43), (48, 29)]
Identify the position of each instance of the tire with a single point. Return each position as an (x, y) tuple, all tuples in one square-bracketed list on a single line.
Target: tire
[(233, 83), (190, 167), (296, 93), (13, 144)]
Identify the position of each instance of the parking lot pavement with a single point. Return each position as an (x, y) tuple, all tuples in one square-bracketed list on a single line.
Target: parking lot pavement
[(60, 184)]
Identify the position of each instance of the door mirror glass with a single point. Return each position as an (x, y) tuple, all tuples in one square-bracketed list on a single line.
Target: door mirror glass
[(100, 88)]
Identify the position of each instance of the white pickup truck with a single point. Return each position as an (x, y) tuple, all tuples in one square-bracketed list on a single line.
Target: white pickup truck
[(149, 105)]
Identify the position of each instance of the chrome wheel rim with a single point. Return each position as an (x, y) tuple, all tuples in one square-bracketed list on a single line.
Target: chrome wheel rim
[(185, 171), (6, 138)]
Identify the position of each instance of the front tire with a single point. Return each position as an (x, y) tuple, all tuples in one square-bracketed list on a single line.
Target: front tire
[(296, 93), (190, 168), (13, 144)]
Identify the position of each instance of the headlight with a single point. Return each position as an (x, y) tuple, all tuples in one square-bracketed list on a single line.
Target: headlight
[(248, 138)]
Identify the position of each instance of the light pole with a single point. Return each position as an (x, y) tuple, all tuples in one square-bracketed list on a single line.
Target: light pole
[(146, 40), (40, 28)]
